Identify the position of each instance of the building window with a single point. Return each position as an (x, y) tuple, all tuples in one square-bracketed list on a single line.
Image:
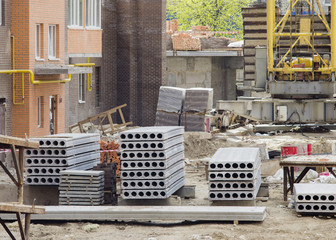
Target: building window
[(75, 9), (52, 41), (40, 112), (81, 88), (93, 13), (97, 80), (38, 40)]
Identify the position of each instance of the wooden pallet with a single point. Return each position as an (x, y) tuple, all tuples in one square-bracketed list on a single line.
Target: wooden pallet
[(99, 119)]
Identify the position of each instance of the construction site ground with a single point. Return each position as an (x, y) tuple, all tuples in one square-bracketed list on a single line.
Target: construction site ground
[(281, 222)]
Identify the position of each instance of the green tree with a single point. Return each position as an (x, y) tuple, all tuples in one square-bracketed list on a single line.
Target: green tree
[(219, 15)]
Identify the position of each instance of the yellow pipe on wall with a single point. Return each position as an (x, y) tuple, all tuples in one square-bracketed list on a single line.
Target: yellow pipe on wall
[(333, 34), (270, 37), (89, 75)]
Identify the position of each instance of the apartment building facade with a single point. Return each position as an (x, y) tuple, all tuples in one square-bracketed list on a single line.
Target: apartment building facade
[(52, 42)]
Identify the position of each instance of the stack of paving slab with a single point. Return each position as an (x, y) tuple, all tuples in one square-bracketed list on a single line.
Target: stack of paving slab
[(313, 198), (59, 152), (234, 174), (85, 188), (198, 101), (170, 105), (152, 165)]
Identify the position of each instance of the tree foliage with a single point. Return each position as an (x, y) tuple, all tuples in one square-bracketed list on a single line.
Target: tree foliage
[(219, 15)]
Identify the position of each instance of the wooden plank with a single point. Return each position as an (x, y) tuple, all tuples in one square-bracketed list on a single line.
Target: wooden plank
[(18, 217), (18, 142), (9, 174), (27, 225), (15, 207), (316, 160), (7, 229)]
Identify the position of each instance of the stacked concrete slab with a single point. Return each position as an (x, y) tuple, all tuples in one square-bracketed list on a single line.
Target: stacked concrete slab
[(60, 152), (184, 107), (234, 174), (84, 188), (315, 198), (152, 165), (170, 106)]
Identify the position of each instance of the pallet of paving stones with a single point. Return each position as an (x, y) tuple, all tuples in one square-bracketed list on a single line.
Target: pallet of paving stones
[(235, 174), (152, 165), (315, 198), (60, 152), (81, 187)]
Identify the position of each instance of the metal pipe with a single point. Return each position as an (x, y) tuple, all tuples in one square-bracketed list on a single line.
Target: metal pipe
[(270, 39), (333, 34)]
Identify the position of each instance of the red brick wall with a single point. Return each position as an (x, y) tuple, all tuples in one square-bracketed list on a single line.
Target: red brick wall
[(25, 15)]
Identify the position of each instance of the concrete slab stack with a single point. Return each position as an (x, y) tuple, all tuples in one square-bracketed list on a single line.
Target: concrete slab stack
[(184, 107), (170, 105), (235, 174), (60, 152), (85, 188), (315, 198), (152, 165)]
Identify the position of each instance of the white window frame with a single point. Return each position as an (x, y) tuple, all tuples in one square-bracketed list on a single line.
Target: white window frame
[(81, 88), (93, 14), (75, 9), (39, 112), (37, 40), (52, 42)]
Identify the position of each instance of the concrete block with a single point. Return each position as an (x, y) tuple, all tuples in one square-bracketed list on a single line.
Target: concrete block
[(152, 174), (151, 164), (153, 194), (151, 155), (153, 184), (233, 185), (66, 140), (236, 159), (187, 191), (314, 193), (234, 176), (151, 145), (66, 152), (315, 208), (151, 133)]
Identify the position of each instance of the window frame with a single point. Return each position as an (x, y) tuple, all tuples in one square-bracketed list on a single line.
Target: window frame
[(81, 88), (38, 46), (40, 112), (75, 13), (52, 44), (93, 14)]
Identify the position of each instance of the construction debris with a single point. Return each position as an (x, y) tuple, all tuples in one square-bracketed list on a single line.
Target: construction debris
[(109, 153), (152, 162), (96, 123), (60, 152), (234, 174), (85, 188)]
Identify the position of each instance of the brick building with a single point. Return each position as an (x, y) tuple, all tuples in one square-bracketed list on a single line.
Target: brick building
[(55, 41), (44, 37), (134, 56)]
